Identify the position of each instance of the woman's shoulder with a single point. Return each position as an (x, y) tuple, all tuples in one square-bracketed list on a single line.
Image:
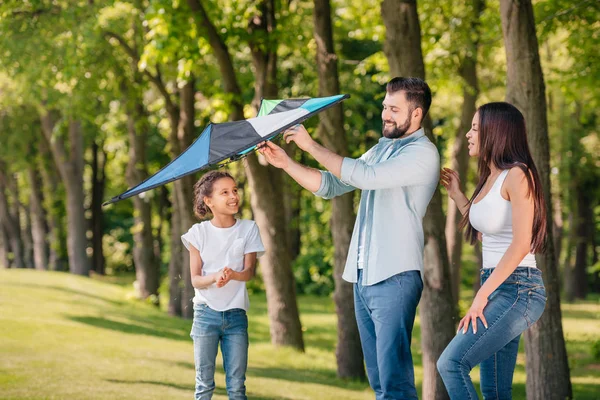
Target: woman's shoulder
[(516, 182)]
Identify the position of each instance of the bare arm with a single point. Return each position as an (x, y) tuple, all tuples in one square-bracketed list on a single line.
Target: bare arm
[(451, 181), (522, 222), (308, 178), (249, 270), (198, 280)]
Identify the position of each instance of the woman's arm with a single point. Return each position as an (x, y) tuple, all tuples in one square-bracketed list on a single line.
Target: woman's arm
[(451, 181), (522, 204), (199, 281)]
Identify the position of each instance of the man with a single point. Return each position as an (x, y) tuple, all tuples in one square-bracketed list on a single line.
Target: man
[(398, 177)]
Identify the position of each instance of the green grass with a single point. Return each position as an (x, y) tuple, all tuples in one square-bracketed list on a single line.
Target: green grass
[(67, 337)]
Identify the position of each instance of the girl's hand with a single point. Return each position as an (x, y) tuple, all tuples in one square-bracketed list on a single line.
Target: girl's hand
[(274, 154), (451, 181), (476, 311), (225, 276)]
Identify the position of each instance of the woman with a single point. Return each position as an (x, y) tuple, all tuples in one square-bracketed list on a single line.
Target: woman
[(508, 214)]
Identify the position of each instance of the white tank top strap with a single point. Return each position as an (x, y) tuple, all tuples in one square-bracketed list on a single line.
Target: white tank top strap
[(497, 188)]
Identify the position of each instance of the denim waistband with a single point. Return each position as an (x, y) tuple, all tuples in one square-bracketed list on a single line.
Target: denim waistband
[(519, 274)]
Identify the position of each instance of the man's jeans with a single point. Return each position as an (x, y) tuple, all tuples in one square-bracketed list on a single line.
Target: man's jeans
[(385, 313), (231, 329), (511, 309)]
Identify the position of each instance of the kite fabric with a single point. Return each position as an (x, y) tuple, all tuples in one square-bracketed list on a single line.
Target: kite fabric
[(234, 140)]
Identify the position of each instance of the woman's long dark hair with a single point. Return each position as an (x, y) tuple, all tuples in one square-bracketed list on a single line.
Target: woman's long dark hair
[(503, 142)]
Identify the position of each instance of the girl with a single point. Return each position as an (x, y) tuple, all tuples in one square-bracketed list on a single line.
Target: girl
[(223, 255), (507, 211)]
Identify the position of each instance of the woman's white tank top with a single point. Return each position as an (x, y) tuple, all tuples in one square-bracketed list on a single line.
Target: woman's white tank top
[(492, 216)]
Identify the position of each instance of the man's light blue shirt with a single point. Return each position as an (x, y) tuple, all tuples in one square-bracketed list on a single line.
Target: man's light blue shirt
[(398, 178)]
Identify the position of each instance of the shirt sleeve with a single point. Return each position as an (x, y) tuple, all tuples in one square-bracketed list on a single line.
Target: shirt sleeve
[(416, 164), (253, 241), (192, 238), (332, 186)]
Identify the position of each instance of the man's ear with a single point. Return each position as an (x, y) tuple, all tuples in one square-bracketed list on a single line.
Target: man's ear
[(417, 113)]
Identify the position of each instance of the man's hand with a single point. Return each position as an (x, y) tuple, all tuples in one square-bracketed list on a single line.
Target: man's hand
[(299, 135), (274, 154)]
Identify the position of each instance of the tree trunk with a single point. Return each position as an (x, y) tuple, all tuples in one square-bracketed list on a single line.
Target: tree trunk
[(11, 222), (53, 206), (69, 162), (27, 235), (4, 244), (39, 230), (146, 265), (185, 188), (348, 352), (265, 185), (176, 260), (403, 50), (580, 282), (548, 375), (460, 153), (98, 184)]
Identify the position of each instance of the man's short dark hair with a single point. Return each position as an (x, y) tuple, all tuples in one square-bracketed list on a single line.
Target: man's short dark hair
[(417, 92)]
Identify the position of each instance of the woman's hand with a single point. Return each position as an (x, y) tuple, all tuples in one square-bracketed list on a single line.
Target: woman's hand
[(476, 311), (451, 181)]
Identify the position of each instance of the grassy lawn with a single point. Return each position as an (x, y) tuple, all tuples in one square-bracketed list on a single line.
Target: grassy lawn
[(67, 337)]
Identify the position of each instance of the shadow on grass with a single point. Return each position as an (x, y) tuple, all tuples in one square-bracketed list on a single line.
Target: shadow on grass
[(128, 328), (317, 376), (70, 291), (189, 388)]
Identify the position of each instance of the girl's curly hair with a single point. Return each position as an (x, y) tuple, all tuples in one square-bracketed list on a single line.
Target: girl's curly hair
[(204, 188)]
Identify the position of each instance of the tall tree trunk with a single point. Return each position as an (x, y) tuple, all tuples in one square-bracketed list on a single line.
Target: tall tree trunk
[(4, 244), (176, 260), (265, 185), (548, 375), (146, 265), (403, 50), (98, 184), (27, 235), (11, 222), (52, 186), (185, 187), (39, 230), (460, 153), (580, 282), (331, 131), (68, 158)]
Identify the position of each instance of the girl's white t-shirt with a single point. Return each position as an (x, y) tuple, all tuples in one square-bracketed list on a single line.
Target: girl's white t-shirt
[(219, 248)]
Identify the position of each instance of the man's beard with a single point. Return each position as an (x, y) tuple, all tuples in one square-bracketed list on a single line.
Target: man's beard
[(397, 131)]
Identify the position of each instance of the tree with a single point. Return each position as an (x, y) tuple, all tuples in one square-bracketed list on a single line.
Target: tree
[(403, 51), (265, 184), (547, 363), (331, 130)]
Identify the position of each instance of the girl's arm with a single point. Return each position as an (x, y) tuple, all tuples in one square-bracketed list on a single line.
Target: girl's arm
[(199, 281), (249, 269)]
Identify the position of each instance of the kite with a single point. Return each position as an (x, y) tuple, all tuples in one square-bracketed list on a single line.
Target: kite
[(231, 141)]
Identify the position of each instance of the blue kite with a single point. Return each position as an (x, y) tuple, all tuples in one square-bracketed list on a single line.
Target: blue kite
[(234, 140)]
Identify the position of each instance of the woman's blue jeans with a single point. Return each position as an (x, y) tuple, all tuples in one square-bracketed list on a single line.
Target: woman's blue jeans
[(230, 328), (512, 308)]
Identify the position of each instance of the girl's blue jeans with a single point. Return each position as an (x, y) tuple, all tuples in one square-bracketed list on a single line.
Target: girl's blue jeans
[(230, 329)]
